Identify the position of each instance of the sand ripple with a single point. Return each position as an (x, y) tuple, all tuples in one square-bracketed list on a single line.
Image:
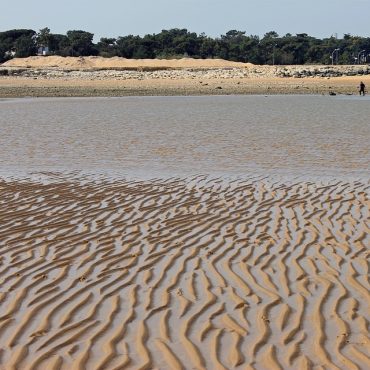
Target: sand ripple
[(184, 274)]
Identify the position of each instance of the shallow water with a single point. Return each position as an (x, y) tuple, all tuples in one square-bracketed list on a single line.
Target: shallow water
[(187, 135), (250, 266)]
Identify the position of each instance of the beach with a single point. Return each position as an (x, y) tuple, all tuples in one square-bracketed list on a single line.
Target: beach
[(183, 232), (95, 76)]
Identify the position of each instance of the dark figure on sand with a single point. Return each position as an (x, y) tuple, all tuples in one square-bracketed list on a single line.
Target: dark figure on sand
[(362, 88)]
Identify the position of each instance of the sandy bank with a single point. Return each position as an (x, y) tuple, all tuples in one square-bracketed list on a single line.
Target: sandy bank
[(96, 76), (21, 87)]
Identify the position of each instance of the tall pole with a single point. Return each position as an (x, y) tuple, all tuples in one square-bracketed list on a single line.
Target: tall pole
[(359, 55), (335, 51)]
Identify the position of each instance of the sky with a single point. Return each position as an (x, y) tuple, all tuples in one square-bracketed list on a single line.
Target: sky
[(112, 18)]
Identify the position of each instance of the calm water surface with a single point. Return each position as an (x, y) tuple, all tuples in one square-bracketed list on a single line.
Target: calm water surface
[(187, 135)]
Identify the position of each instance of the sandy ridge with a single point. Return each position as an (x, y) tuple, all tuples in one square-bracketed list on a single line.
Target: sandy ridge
[(117, 62), (202, 272)]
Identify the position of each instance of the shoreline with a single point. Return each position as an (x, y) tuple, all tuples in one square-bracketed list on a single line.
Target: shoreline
[(93, 76), (11, 87)]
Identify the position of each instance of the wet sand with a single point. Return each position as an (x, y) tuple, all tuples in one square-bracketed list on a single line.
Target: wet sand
[(240, 269), (197, 273), (11, 87)]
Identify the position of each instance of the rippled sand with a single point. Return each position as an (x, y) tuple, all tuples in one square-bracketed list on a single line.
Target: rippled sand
[(183, 274), (255, 256)]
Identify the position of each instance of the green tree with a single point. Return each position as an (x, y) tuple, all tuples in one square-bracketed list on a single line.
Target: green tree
[(3, 50), (127, 45), (43, 37), (81, 43), (269, 47), (107, 47), (25, 46), (234, 45), (8, 41), (59, 44), (206, 47)]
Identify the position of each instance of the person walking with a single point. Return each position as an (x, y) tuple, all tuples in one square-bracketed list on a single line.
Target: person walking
[(362, 88)]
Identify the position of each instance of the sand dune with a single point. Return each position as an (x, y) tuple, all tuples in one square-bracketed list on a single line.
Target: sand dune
[(193, 273), (117, 62)]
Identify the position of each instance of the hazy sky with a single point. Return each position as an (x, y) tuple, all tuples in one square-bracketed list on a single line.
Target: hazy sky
[(112, 18)]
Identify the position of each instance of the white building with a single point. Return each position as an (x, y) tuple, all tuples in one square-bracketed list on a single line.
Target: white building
[(43, 50)]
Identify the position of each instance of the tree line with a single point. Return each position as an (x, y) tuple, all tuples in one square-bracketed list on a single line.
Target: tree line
[(176, 43)]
